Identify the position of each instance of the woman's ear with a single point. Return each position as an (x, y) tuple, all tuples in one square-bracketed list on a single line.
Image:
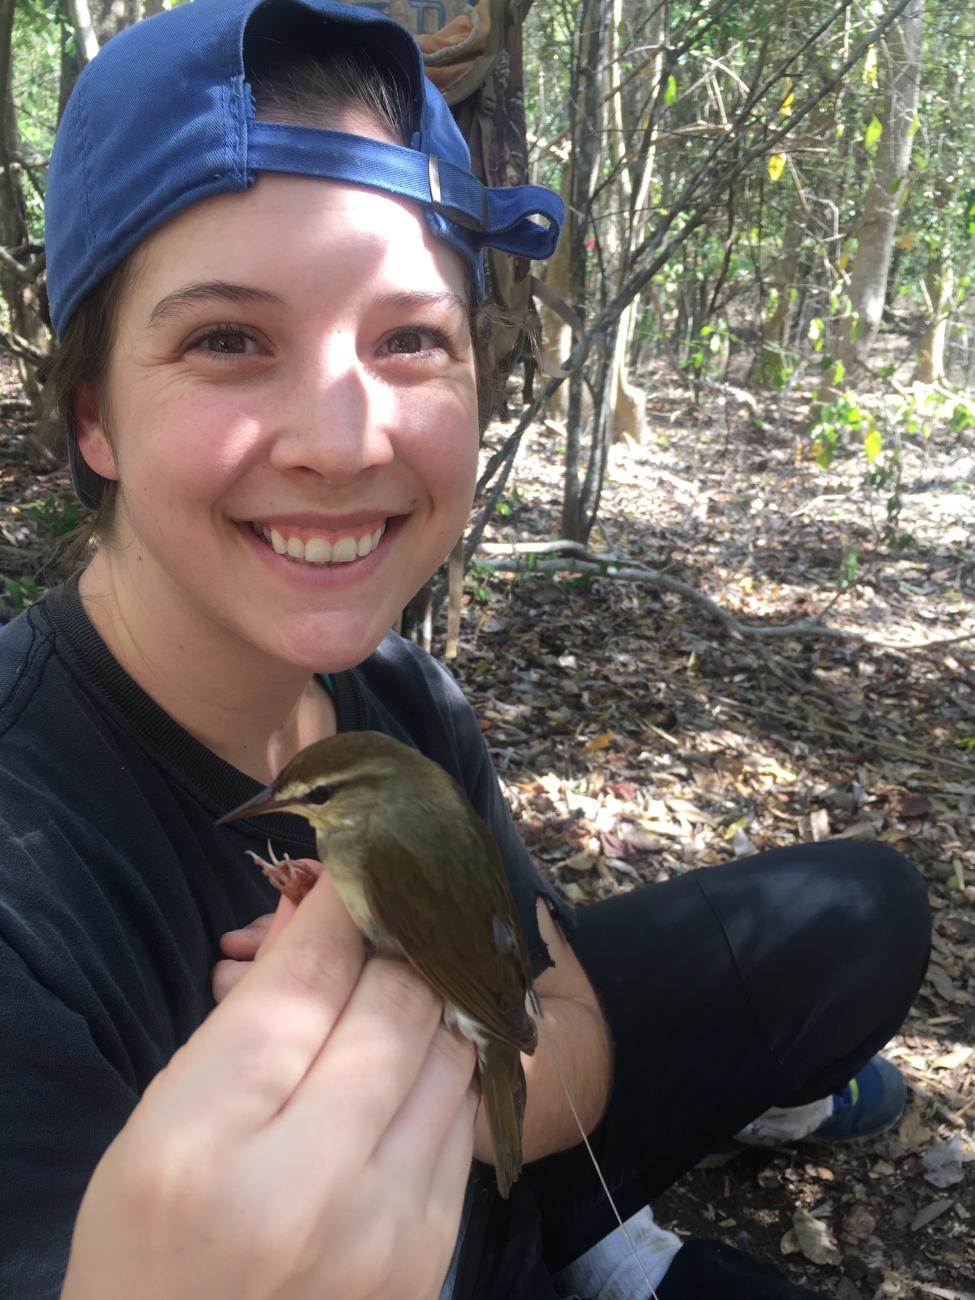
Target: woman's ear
[(90, 432)]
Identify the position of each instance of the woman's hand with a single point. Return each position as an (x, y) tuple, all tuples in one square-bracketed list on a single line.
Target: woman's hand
[(244, 946), (312, 1139)]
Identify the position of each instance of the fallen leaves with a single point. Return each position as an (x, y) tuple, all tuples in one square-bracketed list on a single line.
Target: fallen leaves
[(811, 1236), (930, 1212), (637, 742), (944, 1163)]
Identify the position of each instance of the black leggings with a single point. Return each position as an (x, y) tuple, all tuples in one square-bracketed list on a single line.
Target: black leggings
[(763, 982)]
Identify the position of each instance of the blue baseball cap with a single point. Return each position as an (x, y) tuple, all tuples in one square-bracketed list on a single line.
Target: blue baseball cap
[(163, 117)]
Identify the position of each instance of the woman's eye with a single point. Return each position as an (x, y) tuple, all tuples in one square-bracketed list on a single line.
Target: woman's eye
[(406, 342), (224, 341)]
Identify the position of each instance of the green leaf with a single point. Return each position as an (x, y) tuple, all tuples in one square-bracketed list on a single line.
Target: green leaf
[(670, 93), (873, 445), (839, 372), (874, 131), (848, 569), (915, 123), (14, 593), (823, 454)]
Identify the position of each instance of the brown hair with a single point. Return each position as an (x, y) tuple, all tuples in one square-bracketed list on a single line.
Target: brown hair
[(303, 89)]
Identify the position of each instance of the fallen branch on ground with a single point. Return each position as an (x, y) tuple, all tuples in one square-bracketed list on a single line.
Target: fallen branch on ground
[(573, 557)]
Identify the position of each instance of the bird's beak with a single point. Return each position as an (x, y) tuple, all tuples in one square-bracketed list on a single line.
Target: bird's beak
[(265, 801)]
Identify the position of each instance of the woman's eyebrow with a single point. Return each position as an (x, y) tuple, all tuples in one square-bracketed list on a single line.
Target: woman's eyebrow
[(418, 298), (191, 295)]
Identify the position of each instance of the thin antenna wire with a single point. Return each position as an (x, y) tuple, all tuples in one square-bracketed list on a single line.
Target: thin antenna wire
[(556, 1061)]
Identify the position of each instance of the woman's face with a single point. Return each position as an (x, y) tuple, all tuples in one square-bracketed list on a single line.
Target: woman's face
[(291, 414)]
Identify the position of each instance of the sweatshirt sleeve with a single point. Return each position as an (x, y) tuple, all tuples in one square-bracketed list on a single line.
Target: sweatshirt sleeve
[(61, 1104)]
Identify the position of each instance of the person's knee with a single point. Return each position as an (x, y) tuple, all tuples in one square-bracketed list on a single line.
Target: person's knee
[(831, 941), (893, 904)]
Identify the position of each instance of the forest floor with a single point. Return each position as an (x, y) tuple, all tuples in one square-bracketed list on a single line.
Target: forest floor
[(637, 740)]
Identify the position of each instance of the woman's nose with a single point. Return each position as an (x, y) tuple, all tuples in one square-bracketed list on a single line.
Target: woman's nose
[(337, 423)]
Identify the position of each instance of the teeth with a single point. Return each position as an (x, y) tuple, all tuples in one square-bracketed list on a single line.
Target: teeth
[(344, 551), (318, 550)]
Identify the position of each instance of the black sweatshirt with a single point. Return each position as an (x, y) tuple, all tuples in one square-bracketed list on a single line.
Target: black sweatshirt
[(115, 886)]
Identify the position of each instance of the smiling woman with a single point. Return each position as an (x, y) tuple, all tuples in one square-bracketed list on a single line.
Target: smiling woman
[(288, 86), (266, 294), (320, 388)]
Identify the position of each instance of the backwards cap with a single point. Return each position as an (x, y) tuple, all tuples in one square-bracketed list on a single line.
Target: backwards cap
[(163, 117)]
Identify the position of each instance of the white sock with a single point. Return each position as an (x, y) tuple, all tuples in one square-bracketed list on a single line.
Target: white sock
[(608, 1271), (786, 1124)]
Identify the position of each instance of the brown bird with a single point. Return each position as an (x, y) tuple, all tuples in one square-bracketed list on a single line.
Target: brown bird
[(422, 878)]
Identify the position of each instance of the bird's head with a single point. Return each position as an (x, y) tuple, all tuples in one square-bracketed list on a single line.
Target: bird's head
[(323, 776)]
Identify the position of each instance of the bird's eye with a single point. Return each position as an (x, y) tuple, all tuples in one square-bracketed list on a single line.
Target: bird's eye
[(320, 794)]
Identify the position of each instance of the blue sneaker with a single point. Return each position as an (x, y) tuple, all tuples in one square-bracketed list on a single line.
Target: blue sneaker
[(872, 1102)]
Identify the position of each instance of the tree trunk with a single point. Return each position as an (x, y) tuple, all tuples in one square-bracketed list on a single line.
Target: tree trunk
[(110, 16), (20, 262), (585, 94), (875, 233), (556, 334), (86, 42), (626, 416), (772, 369), (627, 401), (938, 279)]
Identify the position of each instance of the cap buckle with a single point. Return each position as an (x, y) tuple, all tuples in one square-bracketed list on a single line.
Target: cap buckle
[(459, 216)]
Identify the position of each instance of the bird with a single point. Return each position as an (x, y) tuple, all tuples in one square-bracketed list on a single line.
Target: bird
[(421, 876)]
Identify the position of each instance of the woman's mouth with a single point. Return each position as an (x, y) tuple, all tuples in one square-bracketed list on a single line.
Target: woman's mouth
[(311, 547)]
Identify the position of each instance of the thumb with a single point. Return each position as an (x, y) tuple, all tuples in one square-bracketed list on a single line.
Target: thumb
[(286, 909)]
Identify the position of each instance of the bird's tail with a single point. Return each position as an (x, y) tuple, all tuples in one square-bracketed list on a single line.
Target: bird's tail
[(503, 1096)]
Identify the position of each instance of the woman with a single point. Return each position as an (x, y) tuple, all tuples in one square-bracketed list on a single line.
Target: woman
[(264, 271)]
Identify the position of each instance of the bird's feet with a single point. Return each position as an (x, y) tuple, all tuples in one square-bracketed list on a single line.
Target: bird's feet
[(292, 877)]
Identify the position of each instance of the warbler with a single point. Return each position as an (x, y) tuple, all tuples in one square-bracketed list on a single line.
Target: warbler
[(421, 876)]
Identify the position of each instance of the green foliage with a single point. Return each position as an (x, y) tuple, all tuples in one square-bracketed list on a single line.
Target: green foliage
[(38, 35), (839, 422), (848, 569), (873, 133), (711, 353), (962, 415), (479, 574), (887, 475), (21, 592), (58, 514)]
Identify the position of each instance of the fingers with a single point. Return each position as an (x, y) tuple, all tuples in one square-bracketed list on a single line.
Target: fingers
[(242, 945), (444, 1096), (225, 976), (260, 1041), (374, 1057), (453, 1166)]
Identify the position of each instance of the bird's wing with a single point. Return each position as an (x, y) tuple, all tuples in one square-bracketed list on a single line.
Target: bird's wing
[(470, 966)]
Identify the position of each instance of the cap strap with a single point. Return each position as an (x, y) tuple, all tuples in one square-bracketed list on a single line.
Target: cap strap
[(500, 218)]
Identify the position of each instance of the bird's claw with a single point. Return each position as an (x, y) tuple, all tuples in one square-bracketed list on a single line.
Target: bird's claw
[(291, 877)]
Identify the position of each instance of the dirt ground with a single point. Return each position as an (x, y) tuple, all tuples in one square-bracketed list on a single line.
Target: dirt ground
[(637, 739)]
